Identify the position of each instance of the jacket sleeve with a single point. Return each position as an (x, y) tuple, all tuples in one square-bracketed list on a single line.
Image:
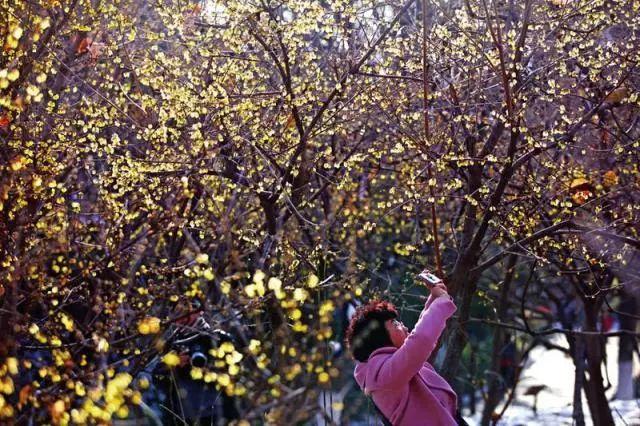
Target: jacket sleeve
[(405, 363), (430, 300)]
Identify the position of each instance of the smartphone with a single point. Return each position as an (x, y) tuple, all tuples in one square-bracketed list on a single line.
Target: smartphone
[(429, 279)]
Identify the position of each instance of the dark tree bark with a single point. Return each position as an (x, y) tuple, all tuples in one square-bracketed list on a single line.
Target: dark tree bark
[(494, 393), (578, 360), (457, 338), (594, 348), (627, 343)]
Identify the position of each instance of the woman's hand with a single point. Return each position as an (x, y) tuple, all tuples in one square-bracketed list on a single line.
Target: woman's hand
[(439, 290), (434, 283)]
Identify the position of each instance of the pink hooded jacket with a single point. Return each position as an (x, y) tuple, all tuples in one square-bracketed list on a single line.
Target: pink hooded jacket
[(403, 385)]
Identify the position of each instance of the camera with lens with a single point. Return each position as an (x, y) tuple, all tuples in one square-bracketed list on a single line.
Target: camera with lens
[(195, 399), (197, 350)]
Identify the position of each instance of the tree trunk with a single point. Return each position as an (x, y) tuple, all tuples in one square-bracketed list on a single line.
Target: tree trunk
[(625, 377), (578, 359), (457, 337), (625, 352), (594, 387), (494, 393)]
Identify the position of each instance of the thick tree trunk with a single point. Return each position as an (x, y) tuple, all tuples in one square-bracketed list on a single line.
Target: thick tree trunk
[(625, 378), (457, 336), (578, 360), (594, 387), (462, 284), (625, 352), (494, 392)]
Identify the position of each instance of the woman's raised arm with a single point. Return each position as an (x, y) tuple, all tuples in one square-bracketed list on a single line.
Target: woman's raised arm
[(405, 363)]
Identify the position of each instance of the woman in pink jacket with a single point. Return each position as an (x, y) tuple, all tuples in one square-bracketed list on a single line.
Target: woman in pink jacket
[(392, 364)]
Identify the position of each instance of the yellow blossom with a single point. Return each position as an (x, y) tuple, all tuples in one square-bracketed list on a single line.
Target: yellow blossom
[(323, 377), (312, 281), (300, 294), (254, 346), (149, 325), (196, 373), (258, 276), (171, 359), (223, 380), (12, 365), (274, 284), (103, 345)]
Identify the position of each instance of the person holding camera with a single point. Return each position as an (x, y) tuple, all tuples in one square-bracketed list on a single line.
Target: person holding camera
[(391, 363)]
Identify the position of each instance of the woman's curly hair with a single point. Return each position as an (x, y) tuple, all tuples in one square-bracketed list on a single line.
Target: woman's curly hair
[(366, 331)]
